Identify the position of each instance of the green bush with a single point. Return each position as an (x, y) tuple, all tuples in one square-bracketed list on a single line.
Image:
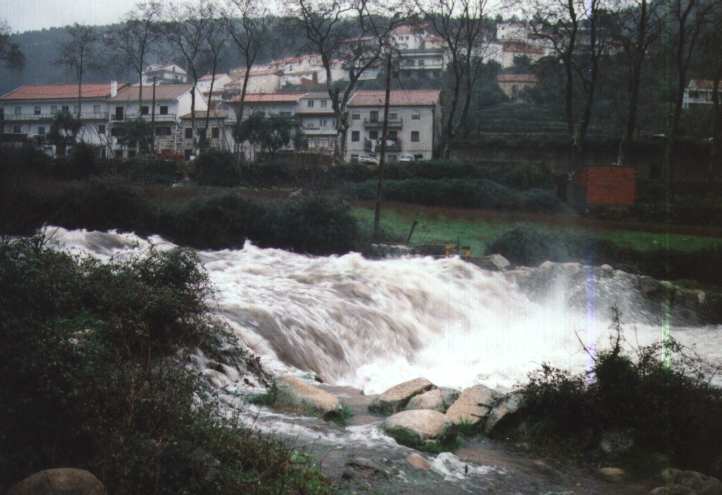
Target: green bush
[(94, 359), (530, 246), (660, 395), (459, 193), (217, 168)]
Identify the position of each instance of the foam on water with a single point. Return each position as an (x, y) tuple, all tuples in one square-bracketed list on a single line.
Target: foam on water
[(375, 323)]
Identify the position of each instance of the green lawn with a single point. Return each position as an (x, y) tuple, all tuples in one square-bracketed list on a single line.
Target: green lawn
[(477, 234)]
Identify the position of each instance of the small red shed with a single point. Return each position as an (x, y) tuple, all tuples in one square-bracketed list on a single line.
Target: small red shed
[(607, 186)]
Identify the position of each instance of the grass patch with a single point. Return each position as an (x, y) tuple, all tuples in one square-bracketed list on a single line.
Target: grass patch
[(341, 417)]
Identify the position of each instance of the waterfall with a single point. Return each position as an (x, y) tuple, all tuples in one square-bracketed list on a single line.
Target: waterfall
[(374, 323)]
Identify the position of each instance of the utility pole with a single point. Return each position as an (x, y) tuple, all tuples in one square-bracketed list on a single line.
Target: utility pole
[(152, 116), (382, 159)]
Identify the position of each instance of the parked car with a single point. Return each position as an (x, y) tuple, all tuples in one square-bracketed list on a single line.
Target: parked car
[(406, 157), (368, 160)]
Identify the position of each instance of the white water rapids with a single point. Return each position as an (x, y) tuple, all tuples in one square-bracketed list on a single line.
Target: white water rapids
[(374, 323)]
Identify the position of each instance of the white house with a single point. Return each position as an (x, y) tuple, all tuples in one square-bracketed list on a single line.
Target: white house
[(413, 123), (30, 110), (419, 49), (261, 79), (164, 107), (699, 92), (219, 83), (164, 74), (317, 121)]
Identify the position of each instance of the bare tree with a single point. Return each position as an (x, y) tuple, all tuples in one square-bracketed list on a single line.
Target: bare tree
[(247, 23), (10, 54), (349, 33), (460, 24), (134, 38), (79, 54), (214, 45), (712, 67), (187, 31), (637, 27), (687, 19), (578, 33)]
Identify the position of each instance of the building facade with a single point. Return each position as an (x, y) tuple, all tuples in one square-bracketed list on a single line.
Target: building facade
[(699, 92), (164, 74), (30, 111), (413, 124)]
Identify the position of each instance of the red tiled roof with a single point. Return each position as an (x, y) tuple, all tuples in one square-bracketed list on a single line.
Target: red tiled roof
[(519, 47), (270, 98), (523, 78), (162, 92), (57, 91), (398, 98), (701, 84)]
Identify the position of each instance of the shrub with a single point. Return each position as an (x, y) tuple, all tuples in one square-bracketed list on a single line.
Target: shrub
[(459, 193), (217, 168), (530, 246), (150, 170), (660, 395), (95, 365)]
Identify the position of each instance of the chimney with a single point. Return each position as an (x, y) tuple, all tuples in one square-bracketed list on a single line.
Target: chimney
[(113, 88)]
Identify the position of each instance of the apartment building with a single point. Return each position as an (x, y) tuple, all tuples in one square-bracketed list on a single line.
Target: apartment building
[(699, 92), (219, 130), (163, 106), (419, 49), (413, 124), (30, 110), (317, 121), (164, 74)]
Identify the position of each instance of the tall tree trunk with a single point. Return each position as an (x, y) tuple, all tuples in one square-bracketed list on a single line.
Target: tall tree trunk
[(716, 125), (449, 129), (382, 160), (193, 115)]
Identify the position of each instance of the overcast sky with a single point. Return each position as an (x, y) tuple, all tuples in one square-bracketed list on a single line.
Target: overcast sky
[(24, 15)]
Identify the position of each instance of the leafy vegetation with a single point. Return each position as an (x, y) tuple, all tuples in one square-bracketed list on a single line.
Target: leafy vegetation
[(659, 395), (95, 360)]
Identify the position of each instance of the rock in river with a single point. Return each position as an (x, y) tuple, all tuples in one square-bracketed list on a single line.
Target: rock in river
[(419, 428), (395, 398)]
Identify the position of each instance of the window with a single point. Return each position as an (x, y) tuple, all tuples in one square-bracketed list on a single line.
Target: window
[(373, 134), (41, 131), (96, 109), (164, 110), (323, 122), (414, 136), (144, 110), (189, 133), (355, 116), (309, 103), (65, 108), (393, 135), (53, 109), (36, 110), (374, 116), (162, 131), (416, 116), (17, 130), (18, 110), (324, 103), (101, 129), (355, 136), (118, 113), (418, 157), (2, 113), (215, 132), (393, 116)]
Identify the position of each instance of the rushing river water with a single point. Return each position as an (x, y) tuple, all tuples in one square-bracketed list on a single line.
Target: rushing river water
[(374, 323)]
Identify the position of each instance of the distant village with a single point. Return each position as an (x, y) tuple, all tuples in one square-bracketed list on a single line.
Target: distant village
[(414, 119)]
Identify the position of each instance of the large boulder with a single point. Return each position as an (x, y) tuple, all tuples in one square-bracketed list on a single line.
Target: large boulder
[(396, 398), (505, 407), (472, 406), (62, 481), (437, 399), (295, 393), (419, 428), (679, 482), (493, 262)]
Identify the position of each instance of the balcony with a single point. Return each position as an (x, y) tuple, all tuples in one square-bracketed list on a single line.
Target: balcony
[(169, 117), (378, 124), (320, 131), (374, 146), (32, 117)]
